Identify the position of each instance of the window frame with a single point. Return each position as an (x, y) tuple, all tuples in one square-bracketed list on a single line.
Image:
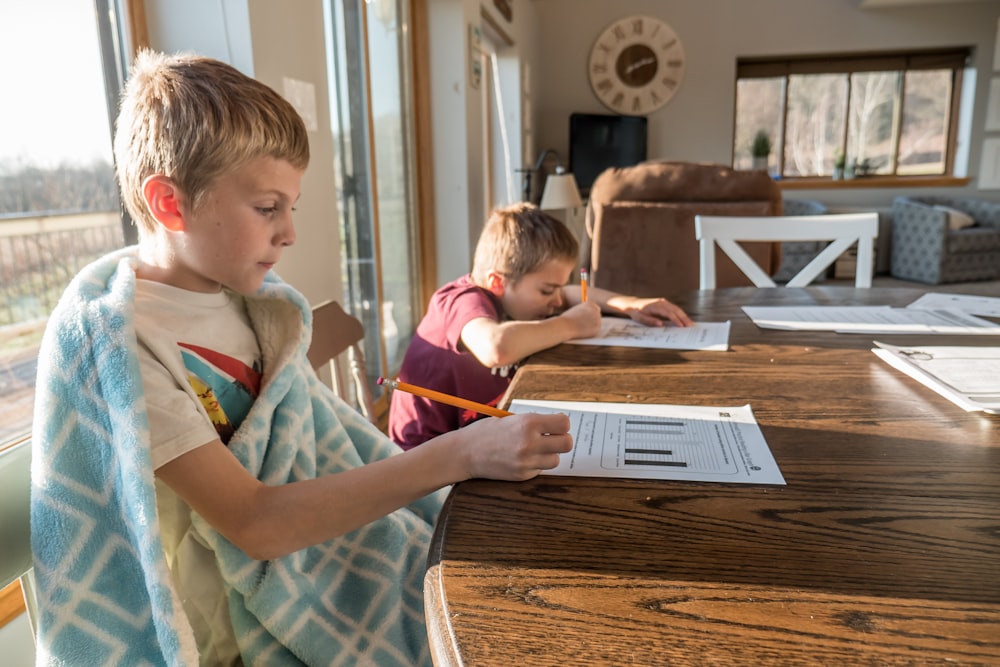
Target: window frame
[(121, 27), (363, 220), (954, 58)]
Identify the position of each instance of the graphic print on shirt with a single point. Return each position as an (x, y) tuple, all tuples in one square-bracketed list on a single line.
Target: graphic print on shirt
[(226, 386)]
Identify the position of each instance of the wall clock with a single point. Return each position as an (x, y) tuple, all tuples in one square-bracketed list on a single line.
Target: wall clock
[(636, 65)]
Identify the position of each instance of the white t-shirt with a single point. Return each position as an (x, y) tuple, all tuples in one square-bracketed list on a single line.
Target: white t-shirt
[(201, 367)]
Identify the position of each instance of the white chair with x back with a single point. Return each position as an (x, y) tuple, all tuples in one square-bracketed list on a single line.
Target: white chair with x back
[(842, 230)]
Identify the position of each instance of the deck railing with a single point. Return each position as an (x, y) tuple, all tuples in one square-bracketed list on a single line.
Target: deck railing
[(38, 257)]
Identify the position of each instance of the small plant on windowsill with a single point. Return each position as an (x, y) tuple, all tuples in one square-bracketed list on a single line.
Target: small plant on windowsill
[(760, 149), (839, 162)]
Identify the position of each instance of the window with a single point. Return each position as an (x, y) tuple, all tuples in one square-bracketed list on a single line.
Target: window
[(372, 116), (500, 67), (874, 115), (59, 204)]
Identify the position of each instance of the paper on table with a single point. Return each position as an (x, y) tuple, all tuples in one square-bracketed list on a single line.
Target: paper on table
[(967, 376), (868, 319), (672, 442), (629, 333), (988, 306)]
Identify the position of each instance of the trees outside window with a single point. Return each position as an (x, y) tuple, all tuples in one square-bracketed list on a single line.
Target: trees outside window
[(886, 114), (59, 205)]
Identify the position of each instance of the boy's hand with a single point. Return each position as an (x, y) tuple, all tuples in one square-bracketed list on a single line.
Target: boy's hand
[(585, 319), (653, 312), (518, 447)]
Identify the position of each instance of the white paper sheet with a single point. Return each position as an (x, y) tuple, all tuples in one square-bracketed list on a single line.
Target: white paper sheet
[(670, 442), (984, 306), (967, 376), (629, 333), (868, 320)]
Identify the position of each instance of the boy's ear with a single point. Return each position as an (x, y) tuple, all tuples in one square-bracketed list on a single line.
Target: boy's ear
[(163, 201), (495, 283)]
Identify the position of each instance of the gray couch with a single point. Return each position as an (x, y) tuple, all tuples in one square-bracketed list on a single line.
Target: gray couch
[(795, 255), (927, 250)]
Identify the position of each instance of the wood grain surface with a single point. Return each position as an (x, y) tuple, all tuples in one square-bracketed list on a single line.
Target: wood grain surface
[(883, 548)]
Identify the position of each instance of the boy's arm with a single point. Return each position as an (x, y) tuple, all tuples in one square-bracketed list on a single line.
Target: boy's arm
[(649, 311), (503, 343), (270, 521)]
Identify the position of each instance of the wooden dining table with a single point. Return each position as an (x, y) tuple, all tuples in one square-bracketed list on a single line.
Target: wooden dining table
[(883, 547)]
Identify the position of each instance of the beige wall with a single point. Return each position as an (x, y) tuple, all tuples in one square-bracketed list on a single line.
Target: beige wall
[(555, 37), (697, 123), (457, 123)]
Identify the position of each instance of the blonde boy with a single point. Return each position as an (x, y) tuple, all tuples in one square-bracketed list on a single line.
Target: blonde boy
[(198, 495)]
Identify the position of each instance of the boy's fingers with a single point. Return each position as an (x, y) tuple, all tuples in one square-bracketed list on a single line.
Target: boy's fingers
[(648, 320), (552, 424)]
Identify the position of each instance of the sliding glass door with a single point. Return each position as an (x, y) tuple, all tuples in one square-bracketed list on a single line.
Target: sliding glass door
[(372, 114)]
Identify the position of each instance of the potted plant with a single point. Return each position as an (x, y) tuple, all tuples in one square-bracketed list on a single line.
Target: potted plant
[(839, 161), (760, 149)]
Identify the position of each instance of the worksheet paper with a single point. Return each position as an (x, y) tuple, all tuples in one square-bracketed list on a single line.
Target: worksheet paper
[(629, 333), (869, 319), (969, 377), (984, 306), (669, 442)]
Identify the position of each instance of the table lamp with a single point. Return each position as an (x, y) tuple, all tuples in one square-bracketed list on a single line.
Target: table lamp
[(561, 198), (560, 191)]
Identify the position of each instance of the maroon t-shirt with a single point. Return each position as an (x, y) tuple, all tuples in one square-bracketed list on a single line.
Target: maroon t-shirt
[(436, 359)]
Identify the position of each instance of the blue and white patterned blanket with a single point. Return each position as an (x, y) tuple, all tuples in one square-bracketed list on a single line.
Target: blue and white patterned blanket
[(105, 592)]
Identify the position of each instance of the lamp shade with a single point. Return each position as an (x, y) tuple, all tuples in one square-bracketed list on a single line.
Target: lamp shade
[(560, 191)]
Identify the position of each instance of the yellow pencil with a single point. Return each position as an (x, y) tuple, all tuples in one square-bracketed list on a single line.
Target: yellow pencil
[(444, 398), (583, 284)]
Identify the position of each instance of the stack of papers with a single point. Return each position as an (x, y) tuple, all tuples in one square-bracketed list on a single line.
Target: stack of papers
[(869, 320), (987, 306), (933, 312), (967, 376)]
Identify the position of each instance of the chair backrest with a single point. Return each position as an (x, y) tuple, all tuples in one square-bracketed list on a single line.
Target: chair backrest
[(640, 224), (335, 332), (842, 230), (16, 560)]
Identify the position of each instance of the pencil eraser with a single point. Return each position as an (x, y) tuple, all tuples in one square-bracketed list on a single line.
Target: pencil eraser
[(380, 380)]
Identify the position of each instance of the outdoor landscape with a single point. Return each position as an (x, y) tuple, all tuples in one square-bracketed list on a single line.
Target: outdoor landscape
[(52, 222)]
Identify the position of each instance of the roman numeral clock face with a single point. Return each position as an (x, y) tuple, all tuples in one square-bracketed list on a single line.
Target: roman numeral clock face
[(636, 65)]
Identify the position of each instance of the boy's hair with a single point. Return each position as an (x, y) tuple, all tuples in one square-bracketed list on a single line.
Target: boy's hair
[(194, 119), (516, 240)]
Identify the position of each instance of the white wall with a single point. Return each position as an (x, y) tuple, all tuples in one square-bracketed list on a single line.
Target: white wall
[(697, 124), (271, 41), (457, 123), (456, 134), (313, 264)]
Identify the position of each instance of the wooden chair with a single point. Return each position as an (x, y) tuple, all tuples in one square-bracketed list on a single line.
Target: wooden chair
[(16, 560), (336, 332), (842, 230)]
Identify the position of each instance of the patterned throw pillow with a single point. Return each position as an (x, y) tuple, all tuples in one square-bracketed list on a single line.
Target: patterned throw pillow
[(956, 219)]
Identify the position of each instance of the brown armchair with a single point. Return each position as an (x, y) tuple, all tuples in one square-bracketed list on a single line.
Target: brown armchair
[(640, 225)]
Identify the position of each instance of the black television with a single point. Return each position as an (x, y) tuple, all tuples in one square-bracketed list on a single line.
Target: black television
[(599, 141)]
